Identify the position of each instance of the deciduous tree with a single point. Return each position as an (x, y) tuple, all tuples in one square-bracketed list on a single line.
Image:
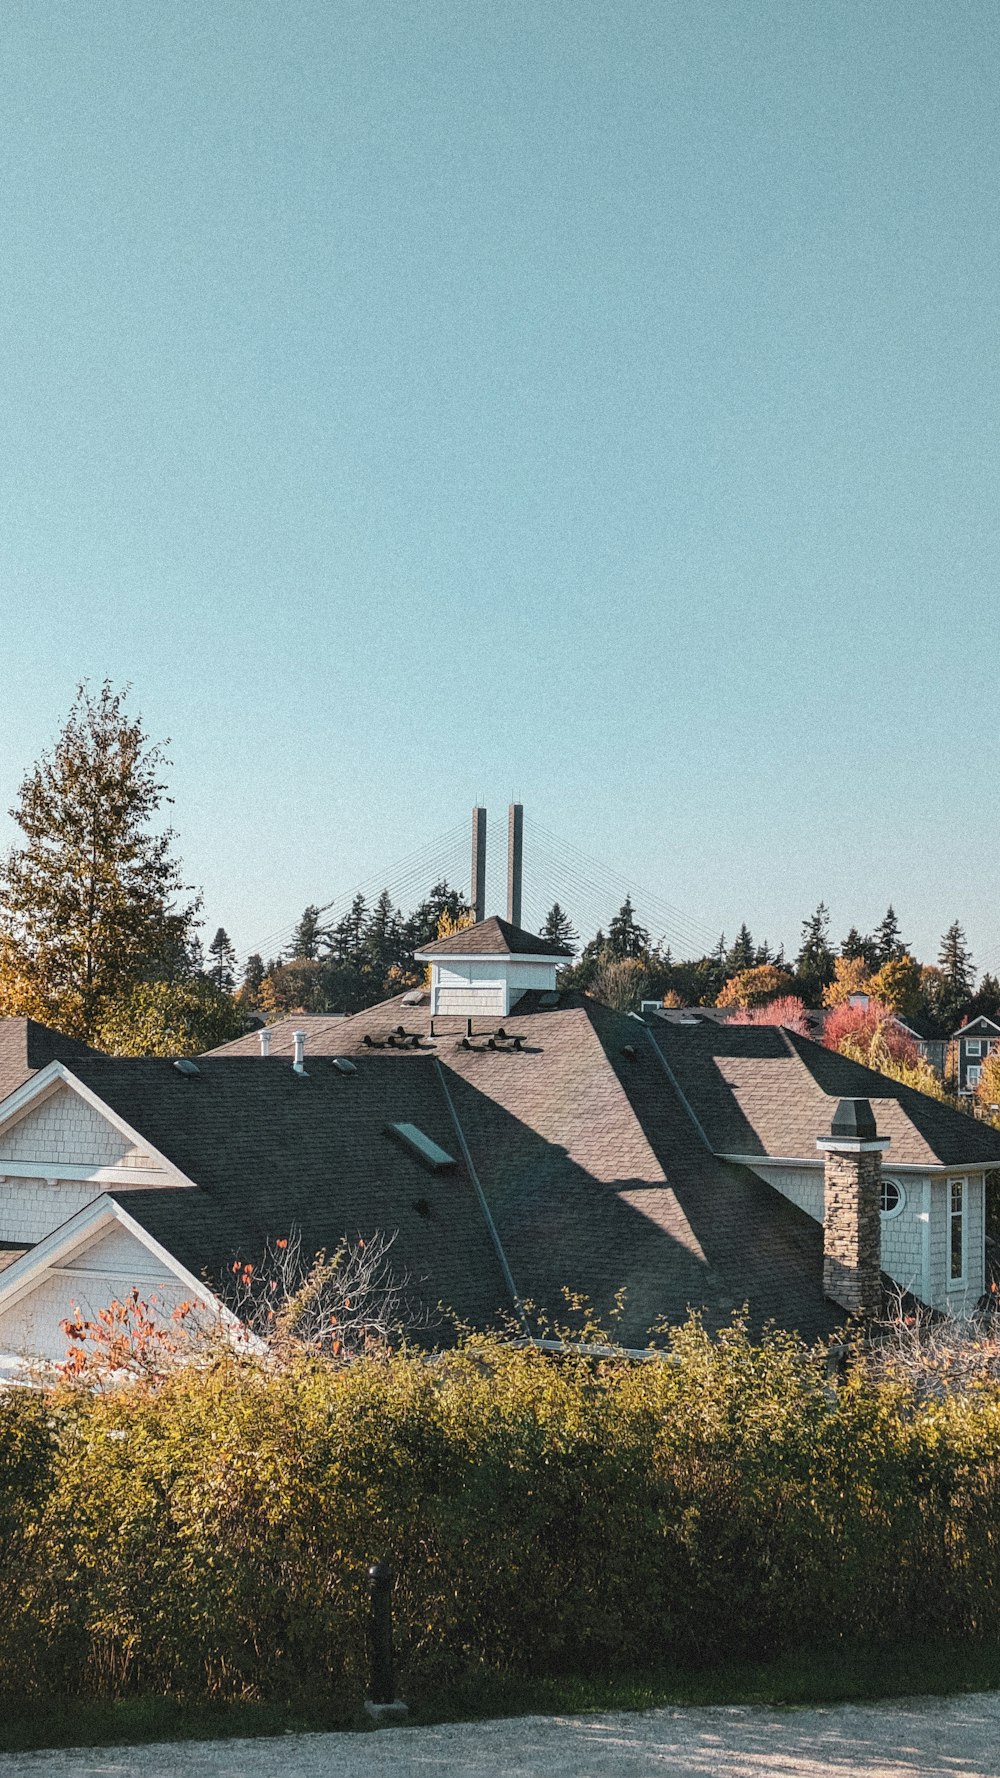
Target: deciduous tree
[(92, 901)]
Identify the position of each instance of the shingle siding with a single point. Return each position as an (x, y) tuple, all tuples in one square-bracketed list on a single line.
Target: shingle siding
[(66, 1129), (31, 1208)]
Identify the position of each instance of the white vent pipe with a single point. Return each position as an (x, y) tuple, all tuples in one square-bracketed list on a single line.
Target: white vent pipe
[(299, 1040), (265, 1041)]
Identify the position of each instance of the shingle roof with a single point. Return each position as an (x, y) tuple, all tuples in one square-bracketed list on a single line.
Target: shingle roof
[(271, 1150), (313, 1024), (493, 938), (585, 1143), (26, 1046), (760, 1089), (597, 1178)]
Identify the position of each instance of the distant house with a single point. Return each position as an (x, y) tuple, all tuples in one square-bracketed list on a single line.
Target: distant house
[(517, 1140), (973, 1043)]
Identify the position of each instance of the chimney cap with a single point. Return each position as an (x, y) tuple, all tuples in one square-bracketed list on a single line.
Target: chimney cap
[(855, 1119)]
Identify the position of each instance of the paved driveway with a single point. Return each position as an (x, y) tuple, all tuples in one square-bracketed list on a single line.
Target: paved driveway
[(908, 1738)]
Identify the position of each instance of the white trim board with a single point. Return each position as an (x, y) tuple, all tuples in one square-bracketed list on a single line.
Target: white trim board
[(47, 1081), (938, 1168), (79, 1233), (75, 1173)]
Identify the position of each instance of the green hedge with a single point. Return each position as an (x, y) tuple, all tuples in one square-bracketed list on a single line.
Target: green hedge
[(209, 1535)]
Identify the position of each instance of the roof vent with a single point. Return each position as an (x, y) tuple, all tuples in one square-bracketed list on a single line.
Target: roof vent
[(422, 1207), (299, 1040), (427, 1151), (854, 1119), (188, 1069), (344, 1065), (416, 997), (629, 1050), (265, 1041)]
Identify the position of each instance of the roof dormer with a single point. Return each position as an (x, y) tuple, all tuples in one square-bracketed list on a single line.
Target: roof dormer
[(484, 969)]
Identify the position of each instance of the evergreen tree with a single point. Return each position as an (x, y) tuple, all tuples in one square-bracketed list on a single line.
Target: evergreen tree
[(626, 938), (955, 962), (253, 976), (889, 947), (741, 954), (348, 936), (814, 965), (985, 1002), (558, 928), (422, 925), (857, 948), (384, 949), (308, 936), (222, 968), (90, 901)]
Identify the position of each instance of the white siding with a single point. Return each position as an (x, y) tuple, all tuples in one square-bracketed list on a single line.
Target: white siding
[(472, 1002), (65, 1128), (31, 1326), (487, 986), (31, 1208), (803, 1185), (902, 1235)]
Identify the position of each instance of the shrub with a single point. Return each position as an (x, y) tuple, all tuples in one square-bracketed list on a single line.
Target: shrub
[(207, 1534)]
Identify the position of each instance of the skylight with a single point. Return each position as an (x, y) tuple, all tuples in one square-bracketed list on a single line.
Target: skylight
[(421, 1145)]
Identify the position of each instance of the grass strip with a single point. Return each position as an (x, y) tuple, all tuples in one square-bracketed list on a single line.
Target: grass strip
[(812, 1677)]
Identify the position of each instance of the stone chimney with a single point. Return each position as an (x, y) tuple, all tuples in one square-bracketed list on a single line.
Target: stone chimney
[(852, 1201)]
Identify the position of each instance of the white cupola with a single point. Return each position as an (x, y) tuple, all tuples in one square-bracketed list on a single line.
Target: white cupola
[(483, 970)]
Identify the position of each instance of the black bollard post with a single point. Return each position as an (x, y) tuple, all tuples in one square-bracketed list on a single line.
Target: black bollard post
[(383, 1684), (383, 1706)]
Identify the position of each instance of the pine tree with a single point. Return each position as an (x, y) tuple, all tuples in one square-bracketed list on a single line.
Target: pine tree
[(222, 968), (814, 965), (741, 954), (383, 943), (955, 961), (253, 976), (348, 936), (860, 949), (422, 925), (558, 928), (626, 938), (90, 901), (889, 947), (308, 936)]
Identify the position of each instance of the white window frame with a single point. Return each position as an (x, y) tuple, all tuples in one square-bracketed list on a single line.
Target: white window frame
[(961, 1215), (973, 1047), (900, 1204), (973, 1074)]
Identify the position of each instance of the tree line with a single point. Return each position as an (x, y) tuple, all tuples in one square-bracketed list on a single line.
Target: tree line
[(100, 935)]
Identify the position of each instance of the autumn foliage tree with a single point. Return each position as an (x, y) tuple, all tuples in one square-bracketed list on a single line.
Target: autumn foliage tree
[(92, 900), (754, 987), (787, 1010)]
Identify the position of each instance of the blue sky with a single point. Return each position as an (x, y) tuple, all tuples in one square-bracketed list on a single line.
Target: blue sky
[(419, 403)]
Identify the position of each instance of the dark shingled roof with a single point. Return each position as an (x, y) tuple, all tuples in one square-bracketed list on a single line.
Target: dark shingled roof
[(763, 1090), (26, 1046), (598, 1146), (493, 938), (596, 1177), (272, 1150)]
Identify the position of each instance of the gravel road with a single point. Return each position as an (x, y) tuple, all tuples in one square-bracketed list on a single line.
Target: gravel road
[(907, 1738)]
